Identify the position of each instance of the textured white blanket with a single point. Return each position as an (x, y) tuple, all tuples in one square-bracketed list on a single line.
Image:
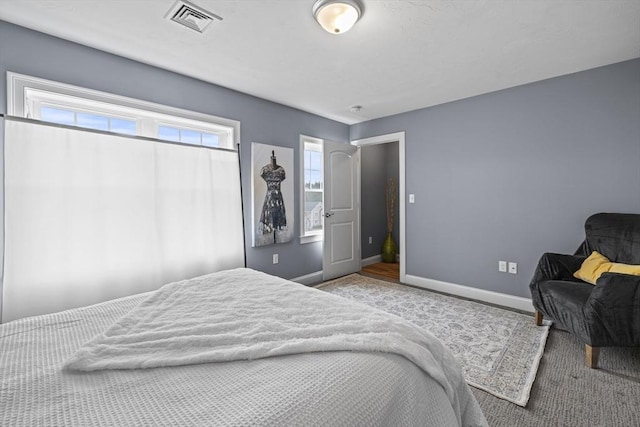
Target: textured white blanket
[(244, 314)]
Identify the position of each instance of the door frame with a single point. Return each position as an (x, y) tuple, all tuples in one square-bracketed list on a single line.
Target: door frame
[(385, 139)]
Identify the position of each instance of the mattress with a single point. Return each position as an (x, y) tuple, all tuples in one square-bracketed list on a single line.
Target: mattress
[(347, 388)]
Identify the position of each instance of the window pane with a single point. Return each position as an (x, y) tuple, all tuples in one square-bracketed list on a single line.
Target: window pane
[(313, 196), (313, 175), (190, 137), (128, 127), (56, 115), (316, 179), (315, 160), (307, 179), (168, 133), (92, 121), (313, 211), (210, 140)]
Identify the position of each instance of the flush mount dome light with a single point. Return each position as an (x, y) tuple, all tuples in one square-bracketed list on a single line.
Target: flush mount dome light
[(337, 16)]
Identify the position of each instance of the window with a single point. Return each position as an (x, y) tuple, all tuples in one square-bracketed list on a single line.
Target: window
[(63, 104), (312, 189), (65, 116), (188, 136)]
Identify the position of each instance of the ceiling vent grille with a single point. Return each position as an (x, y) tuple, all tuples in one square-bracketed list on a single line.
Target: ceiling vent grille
[(191, 16)]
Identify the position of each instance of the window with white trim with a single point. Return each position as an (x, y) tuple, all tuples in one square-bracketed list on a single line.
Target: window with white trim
[(312, 218), (69, 105)]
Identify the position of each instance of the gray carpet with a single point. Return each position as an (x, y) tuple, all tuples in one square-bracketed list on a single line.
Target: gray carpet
[(567, 393)]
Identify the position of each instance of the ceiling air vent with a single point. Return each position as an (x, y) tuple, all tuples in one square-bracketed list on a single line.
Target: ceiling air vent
[(191, 16)]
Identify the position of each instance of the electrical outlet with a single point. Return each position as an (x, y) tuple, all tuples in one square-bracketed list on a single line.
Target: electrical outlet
[(275, 258), (502, 266), (412, 198), (370, 240), (513, 268)]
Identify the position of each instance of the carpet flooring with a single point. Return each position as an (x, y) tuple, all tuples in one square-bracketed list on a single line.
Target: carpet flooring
[(566, 393), (498, 350)]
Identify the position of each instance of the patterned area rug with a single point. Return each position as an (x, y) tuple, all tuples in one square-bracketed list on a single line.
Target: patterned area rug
[(499, 350)]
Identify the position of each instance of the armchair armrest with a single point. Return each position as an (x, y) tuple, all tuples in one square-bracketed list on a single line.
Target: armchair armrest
[(614, 305), (557, 267)]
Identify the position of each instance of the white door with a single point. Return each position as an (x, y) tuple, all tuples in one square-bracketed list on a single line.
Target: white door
[(341, 253)]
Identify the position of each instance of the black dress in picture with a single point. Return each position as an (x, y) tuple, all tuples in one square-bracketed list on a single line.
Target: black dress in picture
[(274, 215)]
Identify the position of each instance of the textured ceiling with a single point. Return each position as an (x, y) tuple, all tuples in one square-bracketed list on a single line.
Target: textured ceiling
[(402, 55)]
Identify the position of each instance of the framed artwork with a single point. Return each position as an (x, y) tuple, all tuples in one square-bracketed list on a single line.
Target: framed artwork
[(272, 194)]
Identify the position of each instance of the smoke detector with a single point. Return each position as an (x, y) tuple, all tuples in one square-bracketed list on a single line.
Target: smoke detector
[(191, 16)]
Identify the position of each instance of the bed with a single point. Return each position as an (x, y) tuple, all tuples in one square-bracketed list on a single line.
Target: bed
[(233, 348)]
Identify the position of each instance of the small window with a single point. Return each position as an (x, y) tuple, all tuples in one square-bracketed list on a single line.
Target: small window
[(63, 116), (64, 104), (312, 189), (188, 136)]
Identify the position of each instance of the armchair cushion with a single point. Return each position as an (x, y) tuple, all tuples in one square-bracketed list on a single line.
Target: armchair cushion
[(564, 301), (614, 235), (554, 266), (596, 264)]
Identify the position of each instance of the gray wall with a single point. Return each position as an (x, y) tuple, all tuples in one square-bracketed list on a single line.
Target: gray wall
[(392, 154), (512, 174), (39, 55), (372, 216), (378, 163)]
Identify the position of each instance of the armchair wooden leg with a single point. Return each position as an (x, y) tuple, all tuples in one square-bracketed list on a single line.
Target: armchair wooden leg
[(538, 316), (592, 354)]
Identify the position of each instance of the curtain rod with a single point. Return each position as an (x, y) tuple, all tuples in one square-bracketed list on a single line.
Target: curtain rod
[(244, 226), (121, 135)]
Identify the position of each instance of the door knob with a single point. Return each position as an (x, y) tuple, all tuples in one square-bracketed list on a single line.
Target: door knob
[(328, 214)]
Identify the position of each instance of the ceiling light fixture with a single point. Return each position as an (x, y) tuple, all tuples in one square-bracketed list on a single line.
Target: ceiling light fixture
[(337, 16)]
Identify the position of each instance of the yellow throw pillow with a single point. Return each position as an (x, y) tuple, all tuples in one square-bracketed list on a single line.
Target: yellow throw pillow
[(596, 264)]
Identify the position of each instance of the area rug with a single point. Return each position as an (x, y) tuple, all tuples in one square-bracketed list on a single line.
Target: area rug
[(499, 350)]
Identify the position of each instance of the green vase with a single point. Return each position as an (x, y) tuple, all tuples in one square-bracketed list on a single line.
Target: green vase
[(389, 249)]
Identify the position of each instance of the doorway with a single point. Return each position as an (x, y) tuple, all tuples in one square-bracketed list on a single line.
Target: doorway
[(382, 157)]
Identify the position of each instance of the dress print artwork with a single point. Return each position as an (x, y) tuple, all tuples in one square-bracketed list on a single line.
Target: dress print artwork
[(274, 213), (272, 194)]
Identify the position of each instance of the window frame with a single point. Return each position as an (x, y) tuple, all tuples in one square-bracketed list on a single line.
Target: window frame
[(26, 94), (312, 235)]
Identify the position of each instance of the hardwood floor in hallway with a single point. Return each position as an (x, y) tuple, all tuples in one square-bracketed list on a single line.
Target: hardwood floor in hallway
[(387, 270)]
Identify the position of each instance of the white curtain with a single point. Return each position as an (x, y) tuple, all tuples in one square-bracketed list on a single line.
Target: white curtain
[(91, 217)]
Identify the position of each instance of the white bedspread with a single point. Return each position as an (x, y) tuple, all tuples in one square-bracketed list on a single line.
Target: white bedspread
[(331, 388), (243, 314)]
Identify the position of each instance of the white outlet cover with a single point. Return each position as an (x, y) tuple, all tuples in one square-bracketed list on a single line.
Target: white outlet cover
[(513, 268), (502, 266)]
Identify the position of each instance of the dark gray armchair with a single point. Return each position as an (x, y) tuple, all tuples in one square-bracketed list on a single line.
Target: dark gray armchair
[(607, 314)]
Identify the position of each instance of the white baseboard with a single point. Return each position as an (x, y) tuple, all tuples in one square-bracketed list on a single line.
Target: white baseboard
[(313, 278), (371, 260), (309, 279), (492, 297)]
